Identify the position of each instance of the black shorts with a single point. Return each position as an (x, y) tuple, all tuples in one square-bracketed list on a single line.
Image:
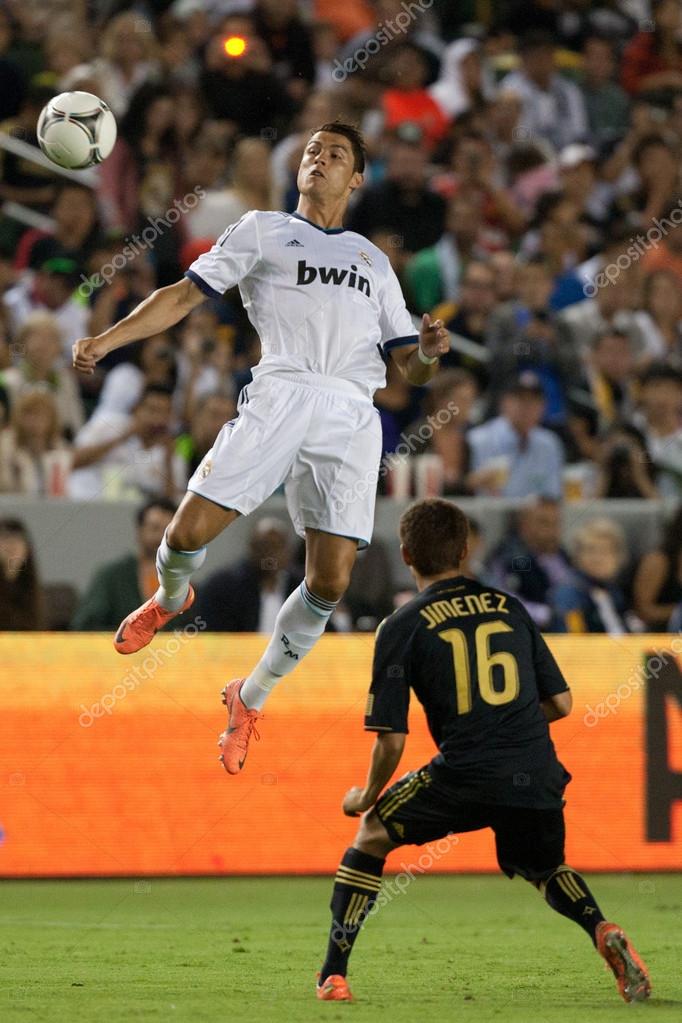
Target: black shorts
[(528, 841)]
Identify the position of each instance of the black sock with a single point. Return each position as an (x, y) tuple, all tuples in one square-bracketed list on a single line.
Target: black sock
[(567, 893), (356, 887)]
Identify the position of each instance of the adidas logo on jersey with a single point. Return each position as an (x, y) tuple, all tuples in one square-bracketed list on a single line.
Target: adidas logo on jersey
[(294, 241), (332, 275)]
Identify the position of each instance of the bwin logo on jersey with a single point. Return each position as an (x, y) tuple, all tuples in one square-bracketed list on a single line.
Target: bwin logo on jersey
[(332, 275)]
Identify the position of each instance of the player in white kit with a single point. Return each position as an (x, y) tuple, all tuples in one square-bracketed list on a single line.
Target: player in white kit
[(327, 306)]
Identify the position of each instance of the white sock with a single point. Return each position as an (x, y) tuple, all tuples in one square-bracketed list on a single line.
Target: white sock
[(301, 621), (174, 569)]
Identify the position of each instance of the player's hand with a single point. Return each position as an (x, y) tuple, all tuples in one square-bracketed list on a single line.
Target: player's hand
[(87, 352), (356, 802), (434, 339)]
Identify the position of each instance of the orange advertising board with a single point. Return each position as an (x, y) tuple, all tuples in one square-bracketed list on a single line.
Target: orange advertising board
[(109, 765)]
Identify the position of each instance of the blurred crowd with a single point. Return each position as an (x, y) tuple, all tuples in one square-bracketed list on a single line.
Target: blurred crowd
[(523, 178), (588, 584)]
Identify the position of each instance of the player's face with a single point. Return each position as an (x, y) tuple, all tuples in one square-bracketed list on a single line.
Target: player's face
[(326, 170)]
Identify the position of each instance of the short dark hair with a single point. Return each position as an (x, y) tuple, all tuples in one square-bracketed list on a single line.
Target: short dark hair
[(660, 371), (354, 136), (164, 503), (167, 392), (434, 533)]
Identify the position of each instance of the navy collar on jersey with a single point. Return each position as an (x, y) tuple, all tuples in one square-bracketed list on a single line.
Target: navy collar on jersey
[(327, 230)]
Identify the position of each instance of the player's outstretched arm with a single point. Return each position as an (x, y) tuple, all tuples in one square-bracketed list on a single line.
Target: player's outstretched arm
[(161, 310), (386, 753)]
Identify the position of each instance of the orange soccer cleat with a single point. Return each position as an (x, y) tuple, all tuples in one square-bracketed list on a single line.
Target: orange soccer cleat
[(139, 628), (334, 989), (630, 972), (241, 722)]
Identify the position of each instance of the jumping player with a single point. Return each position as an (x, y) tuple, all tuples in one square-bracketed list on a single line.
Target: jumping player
[(328, 310), (489, 687)]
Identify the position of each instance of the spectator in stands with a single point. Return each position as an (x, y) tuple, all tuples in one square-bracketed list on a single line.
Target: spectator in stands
[(151, 364), (34, 459), (140, 175), (657, 587), (407, 100), (610, 377), (530, 561), (244, 90), (118, 584), (76, 231), (661, 318), (512, 455), (553, 107), (624, 469), (399, 404), (50, 289), (594, 600), (369, 597), (652, 60), (667, 253), (22, 602), (21, 181), (449, 407), (402, 203), (251, 189), (128, 59), (289, 43), (434, 275), (606, 103), (660, 420), (210, 415), (478, 175), (120, 455), (469, 318), (611, 309), (464, 82), (41, 368), (580, 184), (246, 597)]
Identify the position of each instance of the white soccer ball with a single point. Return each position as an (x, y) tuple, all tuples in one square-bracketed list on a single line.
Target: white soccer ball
[(76, 130)]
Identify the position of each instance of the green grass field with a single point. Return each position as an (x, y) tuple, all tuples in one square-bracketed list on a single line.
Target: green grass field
[(450, 948)]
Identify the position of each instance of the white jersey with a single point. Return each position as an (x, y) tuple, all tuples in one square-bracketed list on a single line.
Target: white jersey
[(323, 301)]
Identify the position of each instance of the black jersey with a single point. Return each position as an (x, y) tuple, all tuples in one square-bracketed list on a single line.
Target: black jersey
[(480, 667)]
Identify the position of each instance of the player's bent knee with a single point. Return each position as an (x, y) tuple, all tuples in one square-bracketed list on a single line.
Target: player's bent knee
[(372, 837), (182, 536), (330, 585)]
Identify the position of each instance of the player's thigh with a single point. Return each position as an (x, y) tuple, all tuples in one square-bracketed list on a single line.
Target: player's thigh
[(372, 836), (528, 842), (414, 811), (196, 522), (333, 482), (253, 454)]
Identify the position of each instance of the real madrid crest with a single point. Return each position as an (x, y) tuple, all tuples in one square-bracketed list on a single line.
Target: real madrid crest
[(364, 256), (205, 468)]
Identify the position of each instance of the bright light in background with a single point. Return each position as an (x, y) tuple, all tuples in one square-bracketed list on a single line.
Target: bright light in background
[(235, 46)]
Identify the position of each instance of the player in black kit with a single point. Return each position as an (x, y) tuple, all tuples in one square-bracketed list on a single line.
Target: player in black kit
[(489, 686)]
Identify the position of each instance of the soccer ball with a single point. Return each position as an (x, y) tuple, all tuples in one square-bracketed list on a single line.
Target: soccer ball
[(76, 130)]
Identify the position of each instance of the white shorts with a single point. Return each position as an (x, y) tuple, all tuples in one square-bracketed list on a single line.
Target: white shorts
[(319, 436)]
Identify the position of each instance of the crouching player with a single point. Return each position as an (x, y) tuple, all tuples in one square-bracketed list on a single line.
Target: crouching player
[(489, 687)]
